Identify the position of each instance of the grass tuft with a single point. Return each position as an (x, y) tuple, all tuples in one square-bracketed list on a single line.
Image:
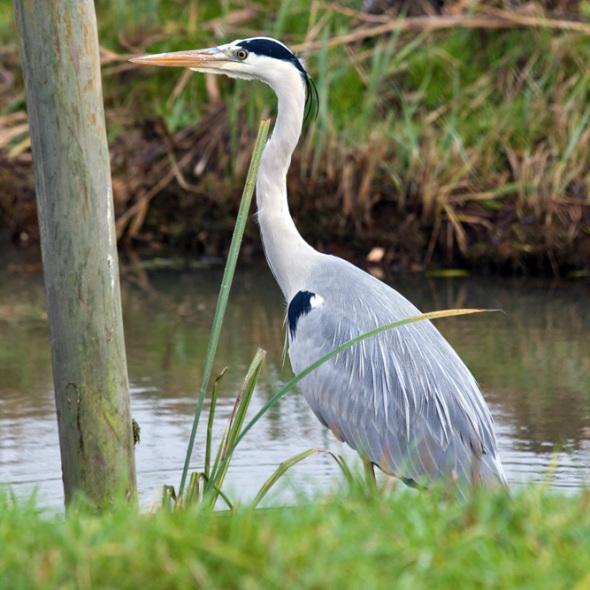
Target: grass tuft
[(534, 539)]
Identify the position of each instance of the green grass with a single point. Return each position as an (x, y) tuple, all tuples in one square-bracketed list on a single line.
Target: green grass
[(406, 541)]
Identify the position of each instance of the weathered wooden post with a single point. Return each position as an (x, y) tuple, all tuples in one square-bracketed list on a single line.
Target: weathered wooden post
[(60, 60)]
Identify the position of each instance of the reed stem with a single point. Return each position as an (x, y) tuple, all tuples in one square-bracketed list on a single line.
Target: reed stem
[(228, 275)]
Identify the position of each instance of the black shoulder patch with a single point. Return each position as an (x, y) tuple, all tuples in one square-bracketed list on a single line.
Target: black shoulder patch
[(270, 48), (300, 305)]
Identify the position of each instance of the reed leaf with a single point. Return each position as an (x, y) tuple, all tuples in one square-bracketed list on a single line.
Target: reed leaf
[(168, 497), (234, 427), (228, 275), (287, 464), (219, 493), (280, 471), (210, 419), (244, 398), (346, 471), (193, 490)]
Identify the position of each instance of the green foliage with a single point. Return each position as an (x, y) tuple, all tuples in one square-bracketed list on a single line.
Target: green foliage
[(536, 539)]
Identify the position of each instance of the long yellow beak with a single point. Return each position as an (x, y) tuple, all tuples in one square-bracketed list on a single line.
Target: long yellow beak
[(197, 58)]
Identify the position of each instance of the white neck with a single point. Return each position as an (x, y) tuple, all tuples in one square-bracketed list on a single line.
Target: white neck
[(289, 255)]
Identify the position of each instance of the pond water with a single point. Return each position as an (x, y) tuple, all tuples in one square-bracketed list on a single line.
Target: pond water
[(532, 361)]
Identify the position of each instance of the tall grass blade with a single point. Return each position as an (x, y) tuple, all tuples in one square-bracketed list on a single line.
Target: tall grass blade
[(346, 471), (168, 497), (280, 471), (245, 397), (210, 420), (575, 137), (236, 422), (228, 275), (433, 315), (286, 465), (224, 444), (219, 493), (192, 495)]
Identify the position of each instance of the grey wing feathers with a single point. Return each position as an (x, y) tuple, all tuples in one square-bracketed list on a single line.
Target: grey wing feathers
[(403, 398)]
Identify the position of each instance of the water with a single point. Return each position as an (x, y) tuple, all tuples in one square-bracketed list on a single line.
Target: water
[(532, 361)]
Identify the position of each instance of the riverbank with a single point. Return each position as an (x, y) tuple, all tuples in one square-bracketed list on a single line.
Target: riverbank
[(462, 142), (535, 539)]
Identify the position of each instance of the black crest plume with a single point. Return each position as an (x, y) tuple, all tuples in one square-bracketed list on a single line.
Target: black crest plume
[(271, 48)]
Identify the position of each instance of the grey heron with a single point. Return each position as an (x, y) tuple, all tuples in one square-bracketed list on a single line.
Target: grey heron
[(404, 399)]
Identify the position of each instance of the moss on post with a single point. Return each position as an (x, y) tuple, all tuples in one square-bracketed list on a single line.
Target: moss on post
[(60, 59)]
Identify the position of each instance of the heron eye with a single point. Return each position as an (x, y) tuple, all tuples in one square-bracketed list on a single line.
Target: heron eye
[(241, 54)]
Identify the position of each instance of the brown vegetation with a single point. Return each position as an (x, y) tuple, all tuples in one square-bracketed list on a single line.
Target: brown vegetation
[(512, 195)]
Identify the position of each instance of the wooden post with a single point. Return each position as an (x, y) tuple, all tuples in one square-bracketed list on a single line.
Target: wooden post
[(61, 65)]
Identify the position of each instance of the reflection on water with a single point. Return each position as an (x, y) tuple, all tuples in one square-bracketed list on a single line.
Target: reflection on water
[(533, 362)]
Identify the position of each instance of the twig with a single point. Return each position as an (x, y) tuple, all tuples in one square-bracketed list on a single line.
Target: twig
[(503, 20), (357, 14), (178, 88), (145, 198), (219, 25), (13, 119), (213, 93), (12, 133), (107, 56)]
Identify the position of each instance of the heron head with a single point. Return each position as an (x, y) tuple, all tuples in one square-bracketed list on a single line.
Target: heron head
[(256, 58)]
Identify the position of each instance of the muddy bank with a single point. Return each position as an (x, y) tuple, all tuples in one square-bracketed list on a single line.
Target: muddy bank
[(179, 193), (466, 147)]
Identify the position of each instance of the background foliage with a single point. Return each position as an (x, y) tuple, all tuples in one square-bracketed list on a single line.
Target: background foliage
[(461, 139)]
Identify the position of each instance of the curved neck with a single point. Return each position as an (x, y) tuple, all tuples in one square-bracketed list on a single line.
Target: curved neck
[(289, 255)]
